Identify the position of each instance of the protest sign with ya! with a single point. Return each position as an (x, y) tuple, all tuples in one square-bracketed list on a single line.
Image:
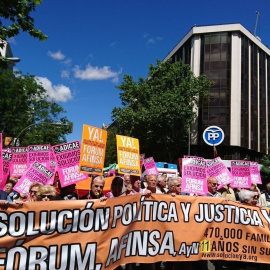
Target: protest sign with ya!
[(93, 235), (128, 155), (93, 150)]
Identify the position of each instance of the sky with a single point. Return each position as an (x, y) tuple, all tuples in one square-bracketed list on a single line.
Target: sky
[(92, 44)]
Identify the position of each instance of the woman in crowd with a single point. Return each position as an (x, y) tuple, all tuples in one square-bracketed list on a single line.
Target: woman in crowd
[(117, 187), (248, 197), (33, 190), (46, 193)]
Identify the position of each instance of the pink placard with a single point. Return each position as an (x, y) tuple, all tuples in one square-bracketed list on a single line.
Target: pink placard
[(67, 159), (186, 156), (18, 165), (40, 154), (36, 173), (52, 166), (111, 172), (194, 176), (255, 173), (1, 159), (150, 166), (216, 168), (240, 171), (7, 156)]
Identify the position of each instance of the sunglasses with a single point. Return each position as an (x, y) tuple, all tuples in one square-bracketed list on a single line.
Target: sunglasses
[(214, 184), (48, 196), (176, 186), (256, 197), (33, 192)]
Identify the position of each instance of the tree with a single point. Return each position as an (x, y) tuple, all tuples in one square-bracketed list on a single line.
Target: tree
[(24, 103), (265, 169), (17, 14), (158, 110), (111, 153), (15, 17)]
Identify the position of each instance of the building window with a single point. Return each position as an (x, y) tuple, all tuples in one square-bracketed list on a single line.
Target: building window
[(216, 65)]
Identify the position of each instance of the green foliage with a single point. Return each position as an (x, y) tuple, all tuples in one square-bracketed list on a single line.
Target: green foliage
[(265, 169), (158, 110), (111, 153), (23, 103), (16, 16)]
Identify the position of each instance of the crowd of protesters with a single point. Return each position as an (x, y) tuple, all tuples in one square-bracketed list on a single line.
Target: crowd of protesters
[(126, 185)]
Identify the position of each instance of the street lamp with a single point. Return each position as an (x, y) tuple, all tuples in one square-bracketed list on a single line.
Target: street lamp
[(14, 59), (36, 124)]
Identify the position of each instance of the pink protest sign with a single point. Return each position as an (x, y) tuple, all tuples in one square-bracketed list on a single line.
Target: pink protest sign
[(67, 159), (1, 159), (40, 154), (52, 166), (241, 174), (18, 165), (150, 166), (36, 173), (255, 173), (7, 156), (216, 168), (194, 176), (201, 158)]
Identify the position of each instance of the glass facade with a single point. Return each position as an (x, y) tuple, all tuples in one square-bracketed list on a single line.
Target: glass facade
[(254, 96), (244, 92), (184, 53), (216, 65), (262, 99), (268, 96)]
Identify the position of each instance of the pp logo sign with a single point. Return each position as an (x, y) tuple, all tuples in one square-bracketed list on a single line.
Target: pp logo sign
[(213, 135)]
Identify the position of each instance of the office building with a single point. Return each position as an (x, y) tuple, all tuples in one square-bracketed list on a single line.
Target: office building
[(239, 65)]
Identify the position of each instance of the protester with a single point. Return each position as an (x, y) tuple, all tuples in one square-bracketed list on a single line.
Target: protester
[(151, 181), (135, 185), (117, 187), (67, 193), (175, 185), (12, 195), (212, 184), (3, 197), (162, 184), (236, 193), (264, 199), (248, 197), (46, 193), (33, 189), (126, 179), (227, 192), (96, 188)]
